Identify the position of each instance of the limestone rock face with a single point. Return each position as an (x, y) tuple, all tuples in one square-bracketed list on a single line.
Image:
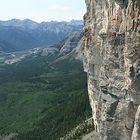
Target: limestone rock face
[(112, 61)]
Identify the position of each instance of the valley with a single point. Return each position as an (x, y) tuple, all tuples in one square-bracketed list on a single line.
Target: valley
[(43, 91), (19, 35)]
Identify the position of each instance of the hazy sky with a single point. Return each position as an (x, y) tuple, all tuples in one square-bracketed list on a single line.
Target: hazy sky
[(42, 10)]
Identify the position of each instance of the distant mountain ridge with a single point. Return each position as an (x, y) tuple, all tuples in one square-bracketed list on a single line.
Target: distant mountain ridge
[(30, 24), (17, 35), (26, 23)]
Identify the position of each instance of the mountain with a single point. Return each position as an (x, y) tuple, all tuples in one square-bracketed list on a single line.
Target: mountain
[(43, 91), (26, 23), (69, 46), (15, 39), (16, 35), (112, 62)]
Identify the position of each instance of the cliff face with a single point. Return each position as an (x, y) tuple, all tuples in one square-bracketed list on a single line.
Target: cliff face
[(112, 62)]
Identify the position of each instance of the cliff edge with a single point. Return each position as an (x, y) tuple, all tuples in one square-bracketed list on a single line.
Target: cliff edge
[(112, 61)]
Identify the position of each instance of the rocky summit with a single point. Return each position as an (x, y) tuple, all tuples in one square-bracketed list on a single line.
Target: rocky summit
[(111, 51)]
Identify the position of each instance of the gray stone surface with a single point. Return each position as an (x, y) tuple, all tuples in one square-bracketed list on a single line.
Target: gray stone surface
[(111, 51), (91, 136)]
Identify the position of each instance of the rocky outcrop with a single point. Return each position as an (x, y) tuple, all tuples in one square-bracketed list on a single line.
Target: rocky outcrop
[(112, 62), (77, 133), (71, 42), (9, 137)]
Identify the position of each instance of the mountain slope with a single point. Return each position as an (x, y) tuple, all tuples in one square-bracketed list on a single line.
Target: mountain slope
[(15, 39), (25, 34), (46, 89)]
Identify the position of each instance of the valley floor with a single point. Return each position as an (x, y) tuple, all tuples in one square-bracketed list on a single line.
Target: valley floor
[(41, 100)]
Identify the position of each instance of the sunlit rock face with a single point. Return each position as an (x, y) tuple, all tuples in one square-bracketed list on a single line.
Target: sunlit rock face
[(112, 61)]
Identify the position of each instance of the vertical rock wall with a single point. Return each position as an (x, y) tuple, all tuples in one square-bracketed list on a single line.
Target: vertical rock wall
[(112, 62)]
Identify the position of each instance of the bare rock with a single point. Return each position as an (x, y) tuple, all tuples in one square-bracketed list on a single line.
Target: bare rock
[(111, 51)]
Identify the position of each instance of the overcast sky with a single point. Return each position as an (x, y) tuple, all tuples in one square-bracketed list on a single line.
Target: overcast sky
[(42, 10)]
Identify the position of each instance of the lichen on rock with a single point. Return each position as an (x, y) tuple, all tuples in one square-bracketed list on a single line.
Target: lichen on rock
[(111, 51)]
